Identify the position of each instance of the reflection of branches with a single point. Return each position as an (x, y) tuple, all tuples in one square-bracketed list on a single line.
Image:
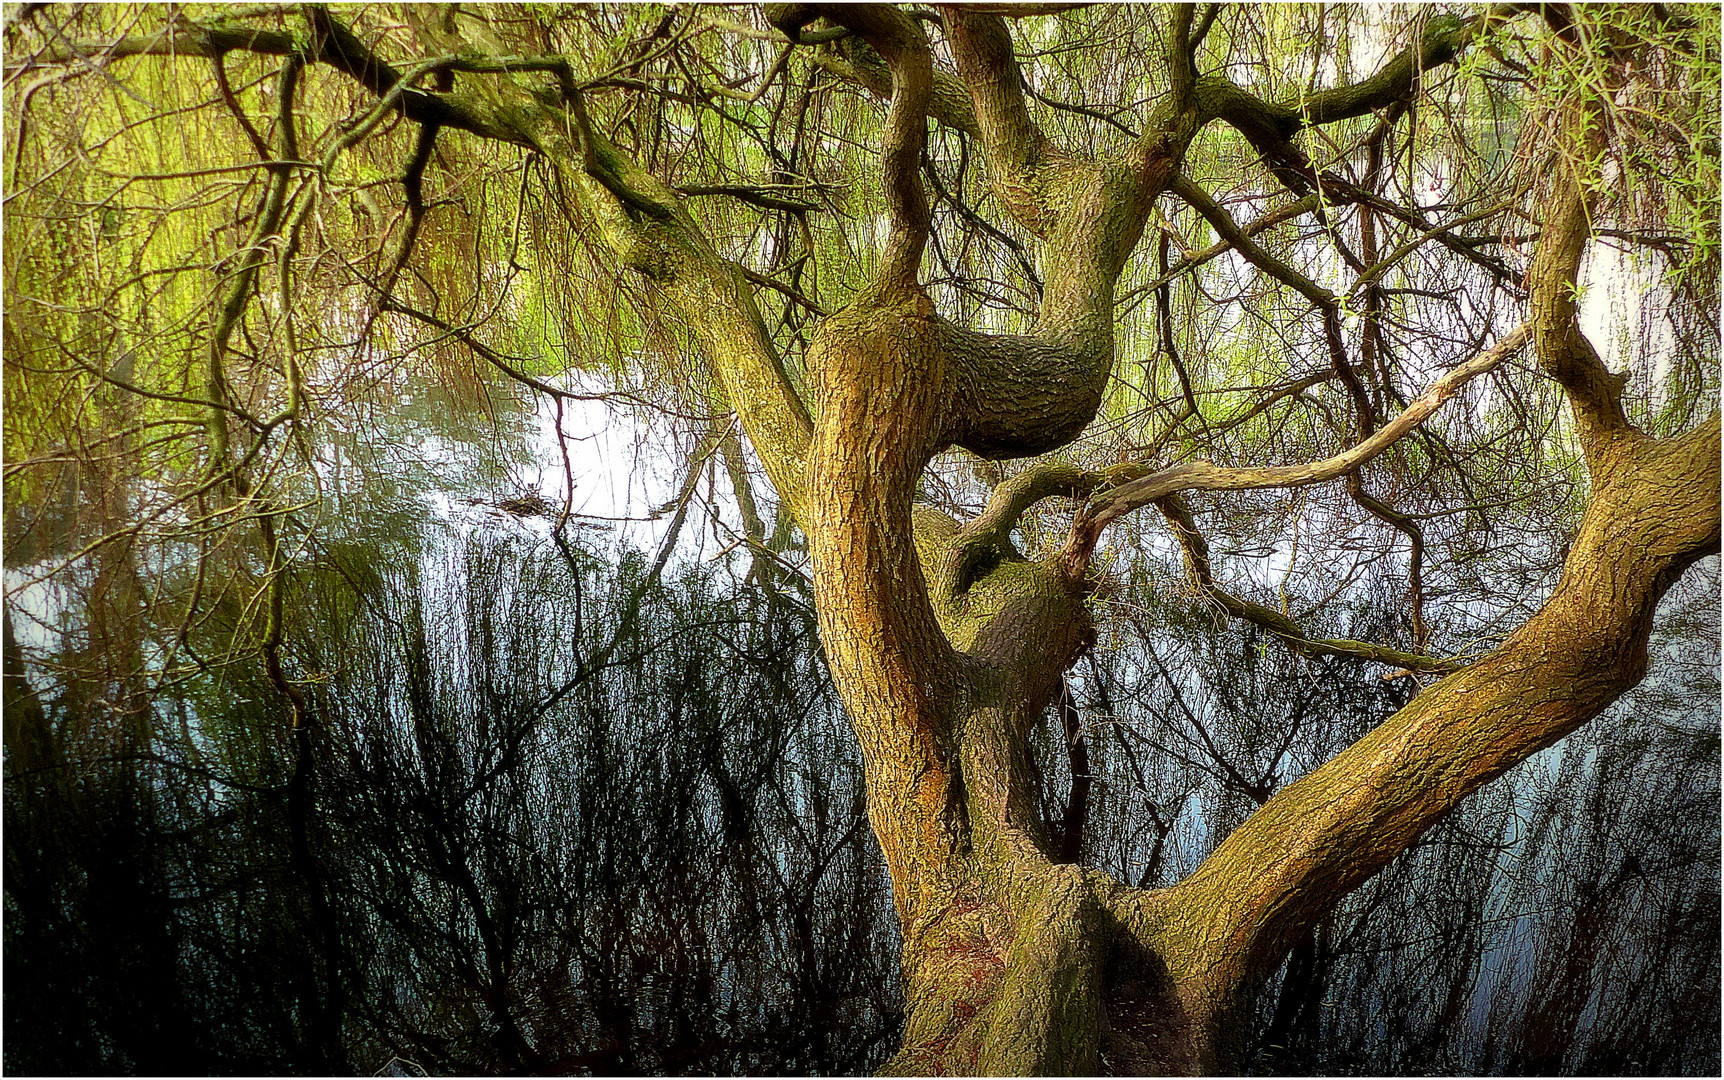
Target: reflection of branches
[(1257, 790), (603, 656)]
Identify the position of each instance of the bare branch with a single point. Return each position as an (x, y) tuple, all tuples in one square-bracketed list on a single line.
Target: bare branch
[(1230, 231)]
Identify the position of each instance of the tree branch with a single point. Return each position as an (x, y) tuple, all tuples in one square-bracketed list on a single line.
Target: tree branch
[(1071, 825), (1015, 147), (1202, 476), (1594, 392), (1181, 65), (986, 539), (1197, 565), (948, 98), (667, 245), (1650, 518), (331, 43), (1229, 230), (1442, 40), (662, 242), (901, 43)]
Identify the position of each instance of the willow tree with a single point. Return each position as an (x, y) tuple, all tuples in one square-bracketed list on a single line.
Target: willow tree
[(1421, 225)]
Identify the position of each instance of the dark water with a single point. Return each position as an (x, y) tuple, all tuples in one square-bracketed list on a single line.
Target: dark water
[(567, 807)]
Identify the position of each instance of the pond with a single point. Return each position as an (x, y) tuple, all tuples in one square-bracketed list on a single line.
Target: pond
[(574, 794)]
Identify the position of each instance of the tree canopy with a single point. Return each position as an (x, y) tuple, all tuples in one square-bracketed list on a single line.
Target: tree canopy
[(1386, 334)]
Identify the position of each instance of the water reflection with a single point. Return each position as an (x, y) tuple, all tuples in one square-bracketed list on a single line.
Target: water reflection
[(572, 806)]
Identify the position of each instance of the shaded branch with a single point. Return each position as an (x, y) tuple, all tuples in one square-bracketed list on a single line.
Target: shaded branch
[(272, 209), (754, 196), (981, 224), (1192, 261), (1442, 40), (1069, 842), (793, 294), (1409, 528), (1376, 270)]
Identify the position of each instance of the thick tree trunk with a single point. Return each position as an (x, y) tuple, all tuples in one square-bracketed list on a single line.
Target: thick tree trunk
[(946, 645)]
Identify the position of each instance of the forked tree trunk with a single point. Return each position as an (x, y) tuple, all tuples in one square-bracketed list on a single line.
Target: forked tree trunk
[(946, 646)]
